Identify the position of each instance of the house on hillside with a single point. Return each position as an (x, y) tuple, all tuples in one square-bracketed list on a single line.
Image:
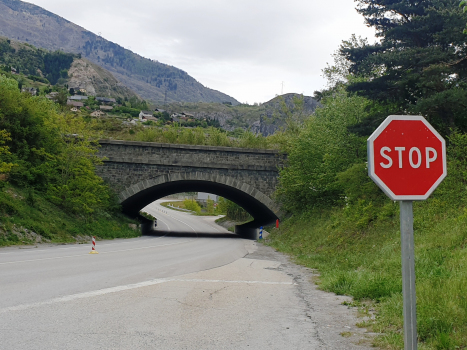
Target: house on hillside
[(52, 96), (30, 90), (97, 114), (154, 119), (78, 98), (159, 110), (176, 117), (74, 109), (75, 104), (106, 108), (145, 114), (106, 100)]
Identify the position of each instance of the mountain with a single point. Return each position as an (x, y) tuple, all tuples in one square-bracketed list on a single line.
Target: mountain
[(47, 67), (152, 80)]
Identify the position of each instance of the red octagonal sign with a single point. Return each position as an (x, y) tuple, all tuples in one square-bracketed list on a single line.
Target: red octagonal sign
[(406, 157)]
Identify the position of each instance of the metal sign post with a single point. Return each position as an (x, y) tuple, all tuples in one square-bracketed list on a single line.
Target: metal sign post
[(407, 160), (408, 275)]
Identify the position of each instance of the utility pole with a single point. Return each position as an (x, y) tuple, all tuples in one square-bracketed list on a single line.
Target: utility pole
[(282, 89)]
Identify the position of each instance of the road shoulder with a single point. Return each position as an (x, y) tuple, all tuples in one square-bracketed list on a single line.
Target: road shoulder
[(335, 323)]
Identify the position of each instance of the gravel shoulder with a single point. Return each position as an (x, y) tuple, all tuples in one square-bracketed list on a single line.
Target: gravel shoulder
[(334, 323)]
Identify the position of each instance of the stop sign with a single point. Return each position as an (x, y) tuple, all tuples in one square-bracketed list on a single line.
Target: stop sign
[(406, 157)]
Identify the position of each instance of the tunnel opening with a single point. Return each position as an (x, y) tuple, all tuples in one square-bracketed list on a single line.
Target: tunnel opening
[(259, 206)]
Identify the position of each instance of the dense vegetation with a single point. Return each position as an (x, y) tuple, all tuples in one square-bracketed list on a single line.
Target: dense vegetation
[(49, 154), (175, 133), (160, 75), (28, 60), (339, 221)]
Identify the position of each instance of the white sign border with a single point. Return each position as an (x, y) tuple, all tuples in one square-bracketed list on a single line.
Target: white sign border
[(371, 165)]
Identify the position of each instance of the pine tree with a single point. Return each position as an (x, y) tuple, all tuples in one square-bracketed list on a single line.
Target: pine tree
[(420, 64)]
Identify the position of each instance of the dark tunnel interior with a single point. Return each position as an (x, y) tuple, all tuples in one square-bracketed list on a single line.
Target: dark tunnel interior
[(261, 214)]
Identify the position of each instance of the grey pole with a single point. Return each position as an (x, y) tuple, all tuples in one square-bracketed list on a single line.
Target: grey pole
[(408, 275)]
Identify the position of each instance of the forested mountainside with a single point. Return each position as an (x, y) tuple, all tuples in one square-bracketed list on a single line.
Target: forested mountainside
[(152, 80), (24, 58), (56, 67), (77, 73)]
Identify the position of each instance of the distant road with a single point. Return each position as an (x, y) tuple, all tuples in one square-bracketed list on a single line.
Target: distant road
[(169, 220)]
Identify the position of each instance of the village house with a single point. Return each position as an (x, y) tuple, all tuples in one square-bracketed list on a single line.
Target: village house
[(106, 100), (97, 114), (154, 119), (75, 104), (78, 98), (32, 91), (106, 108), (145, 114), (74, 109), (52, 96), (176, 117)]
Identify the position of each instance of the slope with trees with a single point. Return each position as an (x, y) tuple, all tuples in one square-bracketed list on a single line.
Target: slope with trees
[(48, 182), (339, 221)]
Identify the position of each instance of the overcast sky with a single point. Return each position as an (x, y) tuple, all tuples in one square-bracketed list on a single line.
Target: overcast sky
[(244, 48)]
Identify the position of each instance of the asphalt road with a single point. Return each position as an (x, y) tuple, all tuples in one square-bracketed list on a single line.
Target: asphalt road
[(161, 292), (169, 220)]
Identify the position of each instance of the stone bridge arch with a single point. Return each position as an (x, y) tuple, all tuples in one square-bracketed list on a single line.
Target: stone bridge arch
[(141, 172), (262, 208)]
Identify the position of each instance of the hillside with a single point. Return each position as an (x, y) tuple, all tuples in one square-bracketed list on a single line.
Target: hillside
[(152, 80), (47, 67), (39, 67), (97, 81), (265, 119)]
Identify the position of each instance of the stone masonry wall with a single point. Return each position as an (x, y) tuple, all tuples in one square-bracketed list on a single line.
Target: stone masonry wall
[(131, 162)]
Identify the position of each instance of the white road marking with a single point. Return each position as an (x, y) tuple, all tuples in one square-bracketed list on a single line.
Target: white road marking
[(117, 289), (172, 218)]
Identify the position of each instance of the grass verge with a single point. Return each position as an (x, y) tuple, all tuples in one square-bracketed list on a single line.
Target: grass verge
[(28, 218), (182, 206), (361, 257)]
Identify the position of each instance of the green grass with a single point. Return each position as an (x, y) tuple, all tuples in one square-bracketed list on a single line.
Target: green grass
[(20, 210), (359, 254), (181, 206)]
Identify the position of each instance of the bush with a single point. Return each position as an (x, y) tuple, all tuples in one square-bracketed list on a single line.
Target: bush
[(192, 205)]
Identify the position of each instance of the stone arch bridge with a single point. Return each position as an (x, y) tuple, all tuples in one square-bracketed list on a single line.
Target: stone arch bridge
[(141, 172)]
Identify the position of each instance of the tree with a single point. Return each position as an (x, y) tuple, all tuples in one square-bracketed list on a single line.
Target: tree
[(5, 165), (62, 98), (321, 149), (463, 4), (420, 64), (75, 186), (52, 152)]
